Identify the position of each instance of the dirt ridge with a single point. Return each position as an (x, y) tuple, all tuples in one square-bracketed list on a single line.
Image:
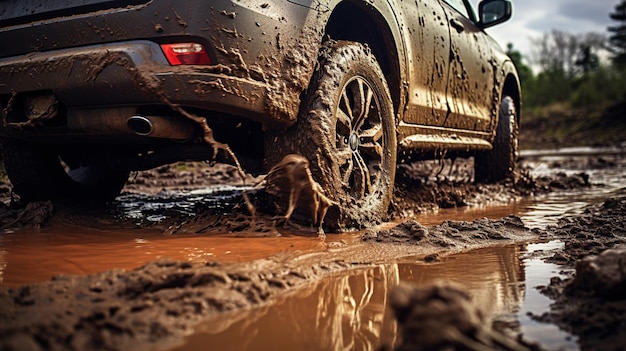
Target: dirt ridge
[(585, 302)]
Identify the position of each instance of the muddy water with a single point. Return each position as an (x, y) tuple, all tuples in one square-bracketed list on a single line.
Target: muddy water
[(34, 256), (539, 273), (344, 312), (350, 312), (607, 173)]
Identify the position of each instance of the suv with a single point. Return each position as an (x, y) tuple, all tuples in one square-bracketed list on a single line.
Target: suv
[(93, 89)]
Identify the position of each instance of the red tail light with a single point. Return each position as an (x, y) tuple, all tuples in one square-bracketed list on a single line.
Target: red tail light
[(186, 54)]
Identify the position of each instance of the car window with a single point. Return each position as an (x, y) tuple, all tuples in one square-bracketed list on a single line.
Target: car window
[(459, 5)]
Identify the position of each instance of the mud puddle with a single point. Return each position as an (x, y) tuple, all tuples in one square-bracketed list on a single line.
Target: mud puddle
[(31, 257), (538, 273), (351, 312), (605, 169), (346, 310), (35, 255)]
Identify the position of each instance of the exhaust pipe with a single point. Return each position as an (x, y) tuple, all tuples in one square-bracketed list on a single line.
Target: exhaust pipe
[(140, 125), (116, 121), (161, 127)]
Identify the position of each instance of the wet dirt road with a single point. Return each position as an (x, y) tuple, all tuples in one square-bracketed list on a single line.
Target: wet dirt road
[(348, 309)]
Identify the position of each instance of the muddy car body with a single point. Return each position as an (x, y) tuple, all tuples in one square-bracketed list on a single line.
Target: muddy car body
[(93, 89)]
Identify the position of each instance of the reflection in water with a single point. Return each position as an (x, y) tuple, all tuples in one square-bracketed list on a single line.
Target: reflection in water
[(539, 273), (3, 263), (342, 313), (351, 312)]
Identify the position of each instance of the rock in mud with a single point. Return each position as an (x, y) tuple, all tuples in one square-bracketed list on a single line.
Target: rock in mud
[(441, 317)]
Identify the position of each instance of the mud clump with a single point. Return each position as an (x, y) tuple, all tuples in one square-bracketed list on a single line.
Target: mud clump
[(452, 234), (33, 214), (599, 228), (290, 182), (603, 276), (441, 317), (590, 302), (563, 181)]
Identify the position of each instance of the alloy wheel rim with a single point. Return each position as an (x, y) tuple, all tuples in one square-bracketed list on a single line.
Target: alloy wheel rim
[(359, 138)]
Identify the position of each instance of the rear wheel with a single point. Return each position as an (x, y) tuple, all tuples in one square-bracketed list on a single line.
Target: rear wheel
[(346, 129), (39, 172), (499, 163)]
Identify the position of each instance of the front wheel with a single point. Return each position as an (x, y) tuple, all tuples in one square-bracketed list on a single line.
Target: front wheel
[(346, 129), (39, 172), (499, 163)]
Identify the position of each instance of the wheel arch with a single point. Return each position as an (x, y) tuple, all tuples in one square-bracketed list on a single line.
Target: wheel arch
[(512, 88), (363, 22)]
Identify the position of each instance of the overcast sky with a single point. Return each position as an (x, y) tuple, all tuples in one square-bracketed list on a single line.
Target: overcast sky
[(532, 18)]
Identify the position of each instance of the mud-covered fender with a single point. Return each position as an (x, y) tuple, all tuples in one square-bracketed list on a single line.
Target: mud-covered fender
[(388, 17), (506, 83), (394, 21)]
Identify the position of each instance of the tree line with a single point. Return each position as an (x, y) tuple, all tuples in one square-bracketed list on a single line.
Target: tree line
[(579, 70)]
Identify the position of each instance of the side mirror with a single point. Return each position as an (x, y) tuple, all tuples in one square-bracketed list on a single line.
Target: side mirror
[(492, 12)]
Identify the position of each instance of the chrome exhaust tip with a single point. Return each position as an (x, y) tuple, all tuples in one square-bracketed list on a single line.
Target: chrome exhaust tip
[(140, 125), (161, 127)]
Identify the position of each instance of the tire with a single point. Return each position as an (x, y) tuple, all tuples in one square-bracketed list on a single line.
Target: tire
[(352, 153), (499, 163), (38, 173)]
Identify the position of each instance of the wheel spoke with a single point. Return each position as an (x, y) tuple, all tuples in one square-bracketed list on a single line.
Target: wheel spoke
[(344, 121), (362, 103), (373, 150), (372, 134), (365, 185), (371, 142)]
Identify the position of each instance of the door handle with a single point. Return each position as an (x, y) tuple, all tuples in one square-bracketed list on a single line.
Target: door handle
[(458, 25)]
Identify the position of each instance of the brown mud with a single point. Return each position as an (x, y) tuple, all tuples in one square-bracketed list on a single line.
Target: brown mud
[(441, 317), (154, 306), (590, 302)]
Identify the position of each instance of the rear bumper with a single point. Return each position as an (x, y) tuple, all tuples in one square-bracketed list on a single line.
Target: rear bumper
[(132, 73), (111, 58)]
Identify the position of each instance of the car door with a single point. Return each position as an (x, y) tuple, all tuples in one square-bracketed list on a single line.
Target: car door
[(471, 76), (428, 49)]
